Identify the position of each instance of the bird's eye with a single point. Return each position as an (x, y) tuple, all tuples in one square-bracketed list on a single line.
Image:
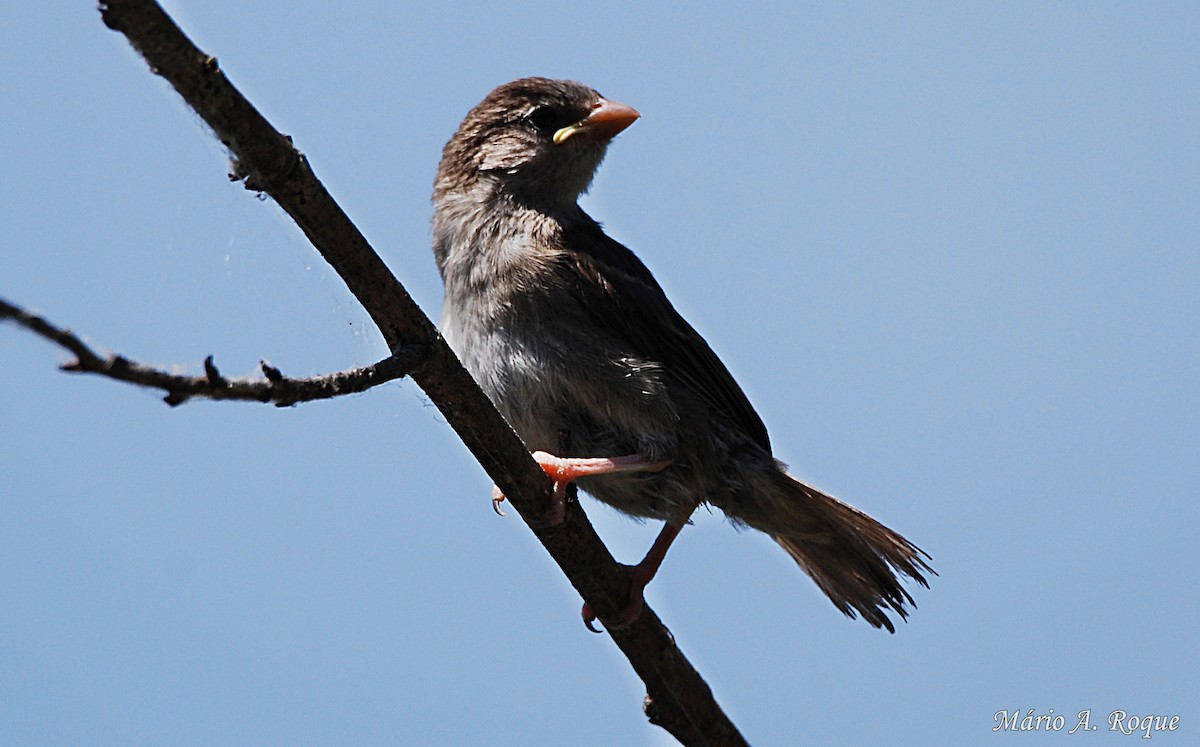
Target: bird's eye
[(544, 118)]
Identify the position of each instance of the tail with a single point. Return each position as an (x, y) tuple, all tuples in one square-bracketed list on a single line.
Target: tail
[(853, 558)]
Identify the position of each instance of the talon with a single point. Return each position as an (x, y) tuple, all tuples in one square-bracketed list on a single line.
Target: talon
[(589, 617), (638, 578), (624, 618), (497, 499)]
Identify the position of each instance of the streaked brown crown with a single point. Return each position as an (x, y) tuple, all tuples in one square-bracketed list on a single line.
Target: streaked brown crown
[(506, 143)]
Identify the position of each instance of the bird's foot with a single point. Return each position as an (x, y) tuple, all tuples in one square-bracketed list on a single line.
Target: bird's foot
[(640, 576), (565, 470)]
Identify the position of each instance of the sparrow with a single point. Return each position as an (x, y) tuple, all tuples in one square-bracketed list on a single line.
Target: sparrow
[(576, 344)]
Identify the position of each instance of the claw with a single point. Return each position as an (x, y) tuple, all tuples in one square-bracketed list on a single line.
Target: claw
[(589, 617), (627, 616), (555, 516)]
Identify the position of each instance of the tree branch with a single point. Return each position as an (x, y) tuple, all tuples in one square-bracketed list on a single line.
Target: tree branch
[(276, 388), (678, 698)]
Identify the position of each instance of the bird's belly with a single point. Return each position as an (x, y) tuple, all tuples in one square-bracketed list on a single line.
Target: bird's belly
[(585, 405)]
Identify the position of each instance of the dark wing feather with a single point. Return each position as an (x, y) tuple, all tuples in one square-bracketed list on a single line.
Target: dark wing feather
[(617, 289)]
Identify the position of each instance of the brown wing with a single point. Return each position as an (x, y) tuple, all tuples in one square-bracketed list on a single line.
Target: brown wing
[(617, 289)]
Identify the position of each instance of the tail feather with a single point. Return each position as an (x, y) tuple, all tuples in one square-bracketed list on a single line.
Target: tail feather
[(853, 558)]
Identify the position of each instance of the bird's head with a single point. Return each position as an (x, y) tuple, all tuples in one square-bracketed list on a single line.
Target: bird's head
[(537, 141)]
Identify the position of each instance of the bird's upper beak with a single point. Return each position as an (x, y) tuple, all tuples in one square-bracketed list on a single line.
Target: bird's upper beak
[(606, 119)]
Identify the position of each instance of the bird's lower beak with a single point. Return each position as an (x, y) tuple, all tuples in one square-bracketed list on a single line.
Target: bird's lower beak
[(606, 119)]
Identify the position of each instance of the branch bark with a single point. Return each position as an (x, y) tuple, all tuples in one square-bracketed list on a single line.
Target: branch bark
[(276, 388), (678, 699)]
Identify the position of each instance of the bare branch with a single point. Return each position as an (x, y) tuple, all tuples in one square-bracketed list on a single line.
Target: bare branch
[(276, 387), (680, 700)]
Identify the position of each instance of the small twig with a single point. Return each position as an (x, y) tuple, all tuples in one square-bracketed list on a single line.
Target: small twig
[(276, 387)]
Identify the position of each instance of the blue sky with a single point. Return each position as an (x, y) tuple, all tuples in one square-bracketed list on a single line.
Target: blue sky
[(949, 250)]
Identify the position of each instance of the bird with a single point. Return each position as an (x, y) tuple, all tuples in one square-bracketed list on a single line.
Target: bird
[(576, 344)]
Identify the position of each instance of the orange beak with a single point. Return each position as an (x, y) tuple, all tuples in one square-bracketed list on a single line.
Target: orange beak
[(606, 119)]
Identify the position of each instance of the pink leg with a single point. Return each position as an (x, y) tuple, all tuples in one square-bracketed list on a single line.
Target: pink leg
[(642, 574), (564, 470)]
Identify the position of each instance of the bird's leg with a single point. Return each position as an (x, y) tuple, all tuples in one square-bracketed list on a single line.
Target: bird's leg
[(564, 470), (642, 574)]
